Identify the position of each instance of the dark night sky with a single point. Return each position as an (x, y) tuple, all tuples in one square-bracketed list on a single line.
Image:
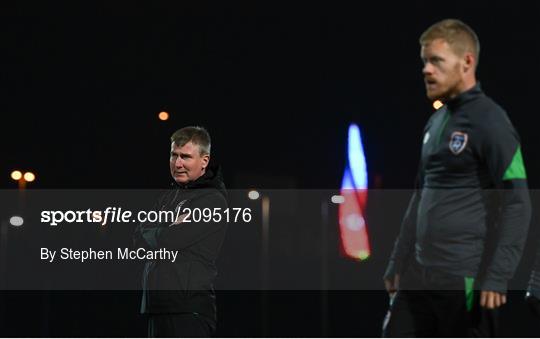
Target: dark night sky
[(276, 85)]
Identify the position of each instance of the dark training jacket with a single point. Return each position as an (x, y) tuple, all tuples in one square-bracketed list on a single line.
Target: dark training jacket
[(185, 285), (470, 213)]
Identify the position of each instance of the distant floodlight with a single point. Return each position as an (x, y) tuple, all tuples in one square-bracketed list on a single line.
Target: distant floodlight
[(163, 116), (437, 104), (29, 176), (253, 195), (16, 175), (16, 221), (338, 199)]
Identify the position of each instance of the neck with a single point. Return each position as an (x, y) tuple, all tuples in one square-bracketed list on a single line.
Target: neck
[(466, 85)]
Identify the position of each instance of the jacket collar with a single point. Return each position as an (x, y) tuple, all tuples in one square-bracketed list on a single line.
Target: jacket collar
[(464, 97), (212, 178)]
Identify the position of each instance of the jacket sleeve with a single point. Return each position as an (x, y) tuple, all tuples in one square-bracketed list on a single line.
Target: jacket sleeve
[(502, 155), (143, 227), (183, 235), (404, 244)]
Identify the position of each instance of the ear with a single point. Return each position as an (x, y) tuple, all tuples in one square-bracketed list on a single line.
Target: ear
[(469, 61), (205, 160)]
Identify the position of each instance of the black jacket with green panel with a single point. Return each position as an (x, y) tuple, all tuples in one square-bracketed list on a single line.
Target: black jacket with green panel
[(470, 213)]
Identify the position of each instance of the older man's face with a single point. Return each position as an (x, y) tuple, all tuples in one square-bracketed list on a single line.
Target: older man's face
[(186, 162)]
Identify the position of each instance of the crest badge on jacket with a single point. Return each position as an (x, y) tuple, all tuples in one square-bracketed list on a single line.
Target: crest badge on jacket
[(458, 142)]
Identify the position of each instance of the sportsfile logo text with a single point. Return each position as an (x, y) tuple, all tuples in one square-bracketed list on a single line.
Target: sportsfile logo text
[(110, 214), (113, 214)]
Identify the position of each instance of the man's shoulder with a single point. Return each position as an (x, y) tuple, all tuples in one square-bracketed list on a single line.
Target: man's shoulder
[(487, 115), (485, 108)]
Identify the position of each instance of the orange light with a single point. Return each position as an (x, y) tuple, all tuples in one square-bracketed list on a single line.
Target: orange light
[(16, 175), (163, 116), (29, 176), (437, 104)]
